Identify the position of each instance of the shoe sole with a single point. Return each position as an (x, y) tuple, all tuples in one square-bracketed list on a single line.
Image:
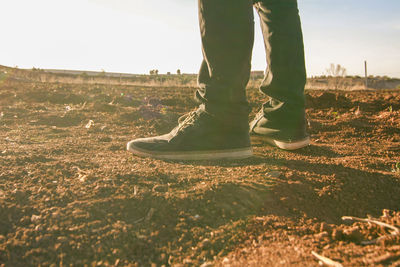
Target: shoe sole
[(284, 145), (239, 153)]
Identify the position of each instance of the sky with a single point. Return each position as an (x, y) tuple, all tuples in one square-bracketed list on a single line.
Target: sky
[(135, 36)]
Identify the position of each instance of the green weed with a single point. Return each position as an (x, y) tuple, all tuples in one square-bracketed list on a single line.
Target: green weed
[(336, 114)]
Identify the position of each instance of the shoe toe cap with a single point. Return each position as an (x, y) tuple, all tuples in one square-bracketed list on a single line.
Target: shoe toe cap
[(149, 143)]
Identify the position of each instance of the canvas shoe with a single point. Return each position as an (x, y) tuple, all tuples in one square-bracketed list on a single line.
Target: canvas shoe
[(198, 136), (291, 138)]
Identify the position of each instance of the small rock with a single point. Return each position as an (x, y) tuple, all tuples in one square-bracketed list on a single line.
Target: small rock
[(35, 218), (357, 111), (353, 234), (337, 234), (388, 97), (205, 243), (39, 227), (207, 264), (25, 220), (325, 227), (163, 257), (386, 214), (187, 261), (327, 246), (8, 139), (55, 215), (89, 124), (322, 235)]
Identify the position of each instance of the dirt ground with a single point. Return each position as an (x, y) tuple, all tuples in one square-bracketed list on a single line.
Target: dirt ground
[(71, 195)]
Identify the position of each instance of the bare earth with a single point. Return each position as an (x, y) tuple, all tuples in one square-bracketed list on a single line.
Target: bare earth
[(71, 195)]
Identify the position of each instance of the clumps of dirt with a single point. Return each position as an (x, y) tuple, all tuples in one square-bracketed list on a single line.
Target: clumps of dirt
[(272, 240), (70, 194), (68, 119), (327, 100), (126, 100), (363, 233), (59, 95)]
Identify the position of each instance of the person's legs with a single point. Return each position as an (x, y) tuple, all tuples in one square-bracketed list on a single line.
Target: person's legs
[(282, 119), (227, 34), (219, 128)]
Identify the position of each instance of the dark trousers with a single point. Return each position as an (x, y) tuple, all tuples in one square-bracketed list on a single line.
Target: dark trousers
[(227, 34)]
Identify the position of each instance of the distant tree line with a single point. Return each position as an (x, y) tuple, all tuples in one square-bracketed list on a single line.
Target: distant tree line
[(155, 72)]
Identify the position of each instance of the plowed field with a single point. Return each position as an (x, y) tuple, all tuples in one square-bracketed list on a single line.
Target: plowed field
[(71, 195)]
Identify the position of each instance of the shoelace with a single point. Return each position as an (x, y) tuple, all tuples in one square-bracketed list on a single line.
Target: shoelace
[(187, 120), (259, 114)]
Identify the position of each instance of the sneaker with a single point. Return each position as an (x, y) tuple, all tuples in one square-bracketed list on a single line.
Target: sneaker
[(198, 136), (288, 139)]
